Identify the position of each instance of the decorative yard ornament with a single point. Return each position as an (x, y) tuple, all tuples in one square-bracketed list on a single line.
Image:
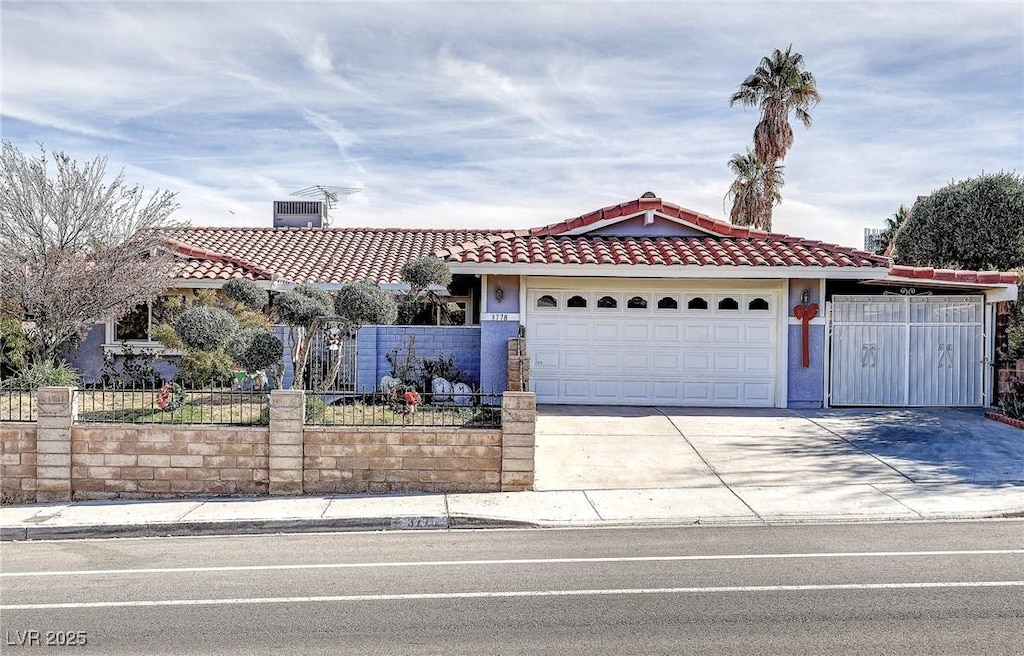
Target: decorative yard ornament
[(805, 312)]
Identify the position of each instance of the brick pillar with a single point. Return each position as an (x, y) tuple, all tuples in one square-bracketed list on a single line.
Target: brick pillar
[(518, 366), (287, 417), (518, 425), (56, 412)]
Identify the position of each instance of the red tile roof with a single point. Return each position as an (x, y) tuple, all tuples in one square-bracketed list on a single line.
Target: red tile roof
[(649, 202), (778, 250), (315, 255), (951, 275)]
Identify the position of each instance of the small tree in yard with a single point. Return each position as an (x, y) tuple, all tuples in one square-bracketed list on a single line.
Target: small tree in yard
[(424, 275), (299, 309), (74, 248)]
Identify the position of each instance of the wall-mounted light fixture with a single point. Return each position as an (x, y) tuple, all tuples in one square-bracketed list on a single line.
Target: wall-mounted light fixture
[(499, 293)]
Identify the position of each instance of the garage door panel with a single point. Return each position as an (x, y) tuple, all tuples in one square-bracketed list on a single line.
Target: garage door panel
[(697, 362), (728, 362), (546, 329), (696, 333), (576, 330), (757, 392), (576, 389), (546, 358), (728, 334), (667, 362), (728, 392), (666, 333), (697, 391), (636, 391), (758, 363), (630, 356), (758, 335), (635, 361), (576, 360)]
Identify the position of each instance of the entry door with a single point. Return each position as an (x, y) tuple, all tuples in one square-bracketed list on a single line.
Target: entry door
[(907, 350)]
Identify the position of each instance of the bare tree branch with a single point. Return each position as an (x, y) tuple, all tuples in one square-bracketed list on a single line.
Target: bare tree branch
[(75, 249)]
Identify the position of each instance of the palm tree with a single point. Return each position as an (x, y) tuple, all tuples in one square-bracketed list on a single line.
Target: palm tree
[(893, 224), (779, 85), (752, 201)]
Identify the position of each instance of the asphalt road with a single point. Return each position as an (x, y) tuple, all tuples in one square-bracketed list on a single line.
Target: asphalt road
[(911, 588)]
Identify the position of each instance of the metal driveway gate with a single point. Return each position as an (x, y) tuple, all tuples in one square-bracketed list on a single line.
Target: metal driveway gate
[(907, 350)]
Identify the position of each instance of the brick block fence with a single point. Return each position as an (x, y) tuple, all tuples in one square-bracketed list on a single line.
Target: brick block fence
[(56, 459)]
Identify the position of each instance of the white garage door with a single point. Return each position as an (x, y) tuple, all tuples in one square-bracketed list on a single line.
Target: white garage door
[(649, 346)]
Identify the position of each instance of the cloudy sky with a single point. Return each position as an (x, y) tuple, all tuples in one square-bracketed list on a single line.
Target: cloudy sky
[(512, 114)]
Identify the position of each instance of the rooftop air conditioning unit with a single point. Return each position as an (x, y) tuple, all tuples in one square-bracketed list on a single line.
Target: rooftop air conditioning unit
[(299, 213)]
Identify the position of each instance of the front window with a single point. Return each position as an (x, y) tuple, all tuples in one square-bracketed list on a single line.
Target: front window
[(133, 326)]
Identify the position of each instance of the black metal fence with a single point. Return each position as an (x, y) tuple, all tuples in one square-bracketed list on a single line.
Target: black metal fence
[(17, 404), (470, 410), (173, 404)]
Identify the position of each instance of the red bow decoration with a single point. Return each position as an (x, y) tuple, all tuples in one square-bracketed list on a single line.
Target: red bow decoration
[(805, 313)]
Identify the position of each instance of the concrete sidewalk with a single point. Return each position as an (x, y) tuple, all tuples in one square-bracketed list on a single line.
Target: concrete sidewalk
[(655, 506)]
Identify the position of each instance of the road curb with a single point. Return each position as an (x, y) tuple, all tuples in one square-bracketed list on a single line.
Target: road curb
[(252, 527)]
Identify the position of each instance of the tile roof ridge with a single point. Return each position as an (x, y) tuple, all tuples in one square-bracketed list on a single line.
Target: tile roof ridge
[(193, 252), (958, 275), (330, 229)]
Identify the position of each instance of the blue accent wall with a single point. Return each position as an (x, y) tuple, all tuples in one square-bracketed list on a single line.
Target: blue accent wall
[(806, 385), (494, 336), (374, 343)]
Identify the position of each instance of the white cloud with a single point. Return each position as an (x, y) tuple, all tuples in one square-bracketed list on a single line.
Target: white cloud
[(513, 114)]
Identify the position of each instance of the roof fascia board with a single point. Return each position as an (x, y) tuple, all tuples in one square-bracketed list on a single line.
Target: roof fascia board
[(604, 223), (661, 271), (994, 292)]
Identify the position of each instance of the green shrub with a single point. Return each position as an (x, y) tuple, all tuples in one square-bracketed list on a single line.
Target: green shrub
[(246, 292), (302, 305), (205, 328), (426, 271), (16, 349), (364, 303), (315, 409), (255, 350), (43, 374), (205, 368)]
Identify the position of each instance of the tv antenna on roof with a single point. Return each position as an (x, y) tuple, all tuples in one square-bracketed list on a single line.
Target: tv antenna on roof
[(328, 195)]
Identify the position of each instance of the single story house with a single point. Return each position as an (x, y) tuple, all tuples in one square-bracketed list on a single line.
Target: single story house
[(649, 303)]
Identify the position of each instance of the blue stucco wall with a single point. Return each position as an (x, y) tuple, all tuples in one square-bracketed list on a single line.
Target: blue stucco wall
[(374, 343), (87, 359), (510, 298), (806, 385), (494, 336)]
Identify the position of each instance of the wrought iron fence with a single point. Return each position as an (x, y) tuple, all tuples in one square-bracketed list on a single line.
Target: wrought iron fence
[(332, 357), (173, 404), (470, 410), (17, 404)]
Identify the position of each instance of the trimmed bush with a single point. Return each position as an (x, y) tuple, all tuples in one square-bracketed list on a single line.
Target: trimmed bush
[(202, 368), (364, 303), (247, 292), (205, 328), (302, 305), (255, 350), (426, 271)]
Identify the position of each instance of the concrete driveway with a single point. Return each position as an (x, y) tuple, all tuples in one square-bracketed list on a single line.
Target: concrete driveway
[(613, 448)]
